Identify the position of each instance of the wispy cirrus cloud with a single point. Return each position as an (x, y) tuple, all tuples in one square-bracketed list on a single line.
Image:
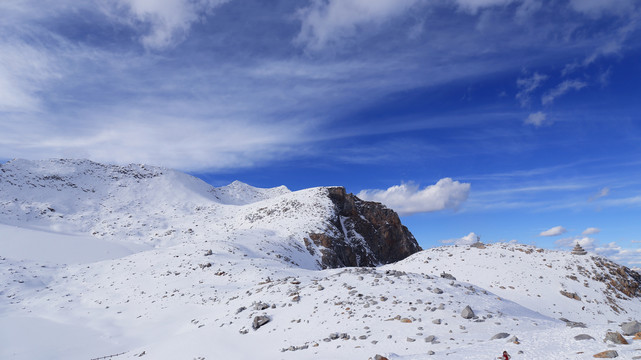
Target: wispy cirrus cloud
[(527, 85), (409, 198), (600, 194), (562, 89), (324, 22), (162, 23)]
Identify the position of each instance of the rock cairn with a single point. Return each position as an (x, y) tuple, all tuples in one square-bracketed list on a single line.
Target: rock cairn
[(578, 250)]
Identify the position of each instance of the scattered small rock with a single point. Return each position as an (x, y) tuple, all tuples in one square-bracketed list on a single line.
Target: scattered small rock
[(430, 339), (583, 337), (500, 336), (260, 321), (608, 354)]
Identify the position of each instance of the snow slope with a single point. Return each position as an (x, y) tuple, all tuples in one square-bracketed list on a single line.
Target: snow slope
[(177, 269), (535, 278)]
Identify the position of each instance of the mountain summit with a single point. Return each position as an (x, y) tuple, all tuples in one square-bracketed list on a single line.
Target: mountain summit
[(144, 205)]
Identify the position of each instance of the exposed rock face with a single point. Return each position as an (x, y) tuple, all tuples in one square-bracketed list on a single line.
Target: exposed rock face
[(621, 281), (364, 234), (570, 295)]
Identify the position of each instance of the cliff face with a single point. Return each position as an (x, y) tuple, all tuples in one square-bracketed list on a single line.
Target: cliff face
[(363, 233)]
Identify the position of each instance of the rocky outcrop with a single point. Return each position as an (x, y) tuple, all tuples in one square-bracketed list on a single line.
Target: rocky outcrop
[(570, 295), (619, 279), (362, 233)]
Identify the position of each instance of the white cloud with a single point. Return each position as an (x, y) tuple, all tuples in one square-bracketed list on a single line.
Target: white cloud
[(468, 239), (628, 257), (324, 22), (24, 70), (591, 231), (473, 6), (555, 231), (561, 89), (536, 119), (602, 193), (168, 21), (613, 251), (166, 140), (598, 8), (409, 199), (527, 85), (586, 242)]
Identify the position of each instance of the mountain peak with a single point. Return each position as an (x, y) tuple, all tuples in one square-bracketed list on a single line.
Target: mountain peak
[(240, 193)]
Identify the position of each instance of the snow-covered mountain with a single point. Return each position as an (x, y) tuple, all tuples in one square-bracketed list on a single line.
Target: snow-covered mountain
[(145, 262), (139, 206)]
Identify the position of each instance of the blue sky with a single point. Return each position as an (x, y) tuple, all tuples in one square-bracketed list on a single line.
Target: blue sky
[(502, 118)]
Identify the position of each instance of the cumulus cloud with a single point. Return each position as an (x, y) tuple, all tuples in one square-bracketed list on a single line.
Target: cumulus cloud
[(612, 250), (555, 231), (537, 119), (527, 85), (468, 239), (586, 242), (167, 21), (561, 89), (591, 231), (409, 199)]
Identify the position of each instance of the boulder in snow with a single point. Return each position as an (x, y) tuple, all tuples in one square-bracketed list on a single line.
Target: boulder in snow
[(260, 321), (616, 338), (467, 313), (630, 328), (500, 336), (609, 354)]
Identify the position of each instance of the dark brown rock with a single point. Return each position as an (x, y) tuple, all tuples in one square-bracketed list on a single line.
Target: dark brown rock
[(362, 233), (574, 296)]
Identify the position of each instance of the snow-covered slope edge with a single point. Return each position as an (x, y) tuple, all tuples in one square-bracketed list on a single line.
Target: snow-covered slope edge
[(587, 288)]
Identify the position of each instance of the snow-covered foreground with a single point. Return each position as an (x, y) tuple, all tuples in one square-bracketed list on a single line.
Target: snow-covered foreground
[(183, 303), (153, 264)]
